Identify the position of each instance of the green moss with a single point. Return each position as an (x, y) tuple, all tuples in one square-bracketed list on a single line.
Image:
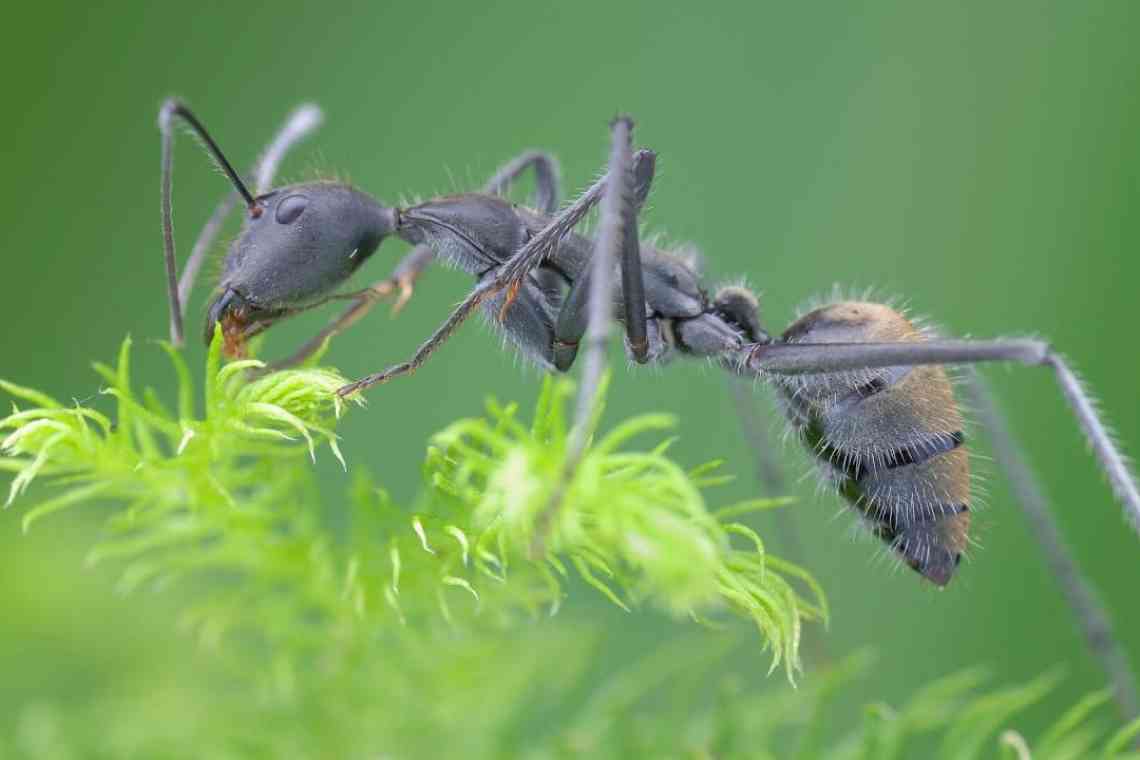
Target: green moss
[(406, 629)]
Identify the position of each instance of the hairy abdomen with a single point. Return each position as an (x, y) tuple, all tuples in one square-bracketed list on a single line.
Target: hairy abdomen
[(890, 440)]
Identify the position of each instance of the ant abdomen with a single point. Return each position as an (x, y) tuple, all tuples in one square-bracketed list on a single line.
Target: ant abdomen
[(890, 440)]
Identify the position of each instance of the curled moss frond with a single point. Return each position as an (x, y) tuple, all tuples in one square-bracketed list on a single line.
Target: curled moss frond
[(634, 525), (152, 452), (418, 630), (218, 493)]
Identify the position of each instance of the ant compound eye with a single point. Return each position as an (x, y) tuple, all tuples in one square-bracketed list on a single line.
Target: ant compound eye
[(290, 208)]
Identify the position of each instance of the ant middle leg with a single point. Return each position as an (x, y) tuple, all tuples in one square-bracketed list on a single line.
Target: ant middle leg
[(574, 315), (175, 110), (547, 194)]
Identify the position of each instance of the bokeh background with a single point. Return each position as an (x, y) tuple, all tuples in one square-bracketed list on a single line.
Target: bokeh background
[(979, 160)]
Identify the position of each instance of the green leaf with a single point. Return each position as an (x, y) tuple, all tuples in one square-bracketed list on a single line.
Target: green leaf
[(1120, 740), (978, 721), (30, 395), (1072, 719), (63, 501)]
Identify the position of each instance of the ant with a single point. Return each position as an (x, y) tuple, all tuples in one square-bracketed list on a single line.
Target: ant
[(863, 386)]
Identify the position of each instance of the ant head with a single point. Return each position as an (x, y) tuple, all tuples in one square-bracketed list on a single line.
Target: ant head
[(298, 244)]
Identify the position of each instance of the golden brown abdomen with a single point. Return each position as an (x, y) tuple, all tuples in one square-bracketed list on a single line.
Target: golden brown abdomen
[(890, 440)]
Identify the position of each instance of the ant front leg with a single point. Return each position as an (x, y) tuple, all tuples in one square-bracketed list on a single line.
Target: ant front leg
[(172, 110), (302, 122)]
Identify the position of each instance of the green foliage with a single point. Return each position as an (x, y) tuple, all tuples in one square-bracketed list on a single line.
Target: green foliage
[(225, 495), (949, 719), (634, 524), (531, 692), (223, 506), (371, 627)]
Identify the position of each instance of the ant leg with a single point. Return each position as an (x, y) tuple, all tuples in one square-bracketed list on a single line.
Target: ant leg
[(301, 123), (202, 246), (515, 269), (614, 224), (801, 358), (547, 183), (174, 109), (1079, 592), (412, 266), (510, 277), (402, 277), (457, 317), (768, 470), (575, 313)]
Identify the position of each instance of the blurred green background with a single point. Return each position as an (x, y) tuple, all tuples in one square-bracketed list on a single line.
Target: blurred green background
[(979, 160)]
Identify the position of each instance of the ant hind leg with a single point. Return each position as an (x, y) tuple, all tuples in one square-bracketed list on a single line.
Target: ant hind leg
[(806, 358), (1093, 619)]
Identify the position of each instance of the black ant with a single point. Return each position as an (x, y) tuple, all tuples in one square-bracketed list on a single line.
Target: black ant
[(863, 386)]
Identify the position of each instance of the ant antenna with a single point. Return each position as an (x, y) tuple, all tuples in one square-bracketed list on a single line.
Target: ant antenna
[(175, 107), (170, 109)]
